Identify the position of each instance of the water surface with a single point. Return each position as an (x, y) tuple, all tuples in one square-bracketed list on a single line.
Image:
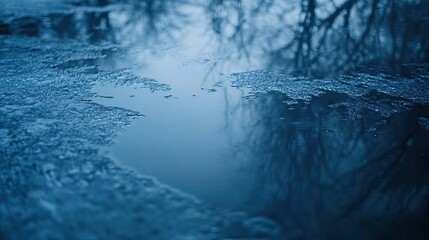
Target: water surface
[(312, 115)]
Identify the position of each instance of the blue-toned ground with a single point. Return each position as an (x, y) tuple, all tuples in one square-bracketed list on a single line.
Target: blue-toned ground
[(161, 119), (57, 182)]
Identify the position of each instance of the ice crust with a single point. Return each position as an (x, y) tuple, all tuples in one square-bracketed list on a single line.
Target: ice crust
[(401, 92), (57, 182)]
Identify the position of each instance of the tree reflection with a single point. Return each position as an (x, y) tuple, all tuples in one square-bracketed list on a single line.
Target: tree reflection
[(148, 21), (326, 177), (324, 37), (310, 37)]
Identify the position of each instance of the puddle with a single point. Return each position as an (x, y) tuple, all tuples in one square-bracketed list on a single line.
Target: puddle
[(267, 142), (223, 102), (183, 142), (185, 138)]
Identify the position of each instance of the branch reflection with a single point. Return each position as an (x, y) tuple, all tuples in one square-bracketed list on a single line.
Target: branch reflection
[(306, 37), (317, 37), (325, 176)]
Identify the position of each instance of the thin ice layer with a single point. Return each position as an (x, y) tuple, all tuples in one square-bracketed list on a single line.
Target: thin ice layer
[(55, 180), (402, 92)]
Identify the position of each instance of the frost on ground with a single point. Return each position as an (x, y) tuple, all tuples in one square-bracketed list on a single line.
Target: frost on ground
[(424, 122), (55, 180), (394, 93)]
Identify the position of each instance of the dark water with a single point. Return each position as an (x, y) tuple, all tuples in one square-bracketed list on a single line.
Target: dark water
[(346, 156)]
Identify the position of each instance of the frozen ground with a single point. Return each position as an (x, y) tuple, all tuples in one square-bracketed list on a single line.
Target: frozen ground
[(56, 182), (332, 157)]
